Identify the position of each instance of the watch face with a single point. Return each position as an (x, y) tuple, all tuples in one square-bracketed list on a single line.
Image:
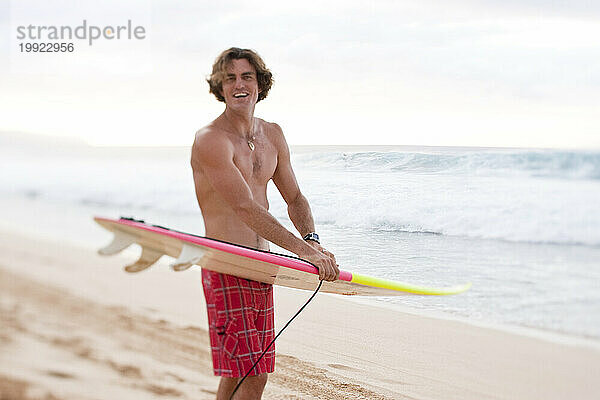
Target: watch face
[(312, 236)]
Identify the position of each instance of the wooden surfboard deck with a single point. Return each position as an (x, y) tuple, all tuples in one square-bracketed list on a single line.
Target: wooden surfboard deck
[(244, 262)]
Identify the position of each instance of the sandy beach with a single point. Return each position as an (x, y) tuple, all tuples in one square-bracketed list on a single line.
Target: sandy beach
[(75, 326)]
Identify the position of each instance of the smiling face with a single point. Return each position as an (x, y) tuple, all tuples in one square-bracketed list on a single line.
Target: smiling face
[(240, 87), (234, 59)]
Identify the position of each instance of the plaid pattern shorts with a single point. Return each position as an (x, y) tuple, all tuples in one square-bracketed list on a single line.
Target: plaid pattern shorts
[(241, 326)]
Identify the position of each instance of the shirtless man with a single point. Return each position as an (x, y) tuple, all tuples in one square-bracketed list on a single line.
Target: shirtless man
[(233, 159)]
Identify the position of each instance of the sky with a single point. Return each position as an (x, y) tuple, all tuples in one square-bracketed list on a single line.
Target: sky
[(430, 72)]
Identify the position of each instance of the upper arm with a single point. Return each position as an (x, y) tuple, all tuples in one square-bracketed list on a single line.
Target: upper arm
[(284, 177), (212, 158)]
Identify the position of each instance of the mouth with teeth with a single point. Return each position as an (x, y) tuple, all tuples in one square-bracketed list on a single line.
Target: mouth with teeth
[(240, 95)]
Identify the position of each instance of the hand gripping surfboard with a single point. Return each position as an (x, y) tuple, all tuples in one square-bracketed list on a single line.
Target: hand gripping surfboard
[(245, 262)]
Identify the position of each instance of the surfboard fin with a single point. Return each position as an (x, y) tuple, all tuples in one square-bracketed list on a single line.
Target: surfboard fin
[(120, 242), (149, 256), (189, 256)]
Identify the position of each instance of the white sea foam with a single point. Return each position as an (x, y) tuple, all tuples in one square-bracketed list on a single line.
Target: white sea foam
[(516, 195)]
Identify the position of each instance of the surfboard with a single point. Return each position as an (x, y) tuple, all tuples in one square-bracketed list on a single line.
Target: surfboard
[(245, 262)]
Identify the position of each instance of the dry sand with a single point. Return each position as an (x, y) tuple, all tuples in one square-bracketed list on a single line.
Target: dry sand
[(74, 326)]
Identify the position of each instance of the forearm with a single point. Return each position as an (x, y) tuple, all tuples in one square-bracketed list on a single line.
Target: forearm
[(266, 226), (301, 216)]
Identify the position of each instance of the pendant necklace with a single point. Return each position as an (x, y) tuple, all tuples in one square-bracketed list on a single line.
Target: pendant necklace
[(251, 140)]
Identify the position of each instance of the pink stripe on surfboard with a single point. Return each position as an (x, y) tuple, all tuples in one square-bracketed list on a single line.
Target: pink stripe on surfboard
[(296, 264)]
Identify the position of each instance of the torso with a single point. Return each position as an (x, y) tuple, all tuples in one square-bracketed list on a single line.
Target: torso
[(257, 168)]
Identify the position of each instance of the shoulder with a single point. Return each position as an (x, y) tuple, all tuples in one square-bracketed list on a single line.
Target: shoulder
[(275, 134), (211, 136), (210, 143), (271, 128)]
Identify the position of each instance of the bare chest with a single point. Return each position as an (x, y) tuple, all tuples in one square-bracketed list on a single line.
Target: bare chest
[(257, 166)]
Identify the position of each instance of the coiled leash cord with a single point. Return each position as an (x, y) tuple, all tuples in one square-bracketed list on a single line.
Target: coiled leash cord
[(274, 339)]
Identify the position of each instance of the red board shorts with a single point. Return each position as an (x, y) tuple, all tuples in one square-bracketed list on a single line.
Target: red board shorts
[(240, 320)]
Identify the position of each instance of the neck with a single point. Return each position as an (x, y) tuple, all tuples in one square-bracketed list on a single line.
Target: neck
[(241, 123)]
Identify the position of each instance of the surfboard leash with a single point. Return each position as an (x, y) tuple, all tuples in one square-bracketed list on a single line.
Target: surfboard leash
[(274, 339)]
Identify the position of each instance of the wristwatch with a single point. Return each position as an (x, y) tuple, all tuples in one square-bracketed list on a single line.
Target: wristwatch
[(312, 236)]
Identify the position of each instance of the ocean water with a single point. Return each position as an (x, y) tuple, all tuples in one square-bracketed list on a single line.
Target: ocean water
[(523, 225)]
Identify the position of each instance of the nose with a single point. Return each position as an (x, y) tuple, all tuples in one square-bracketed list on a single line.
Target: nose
[(239, 83)]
